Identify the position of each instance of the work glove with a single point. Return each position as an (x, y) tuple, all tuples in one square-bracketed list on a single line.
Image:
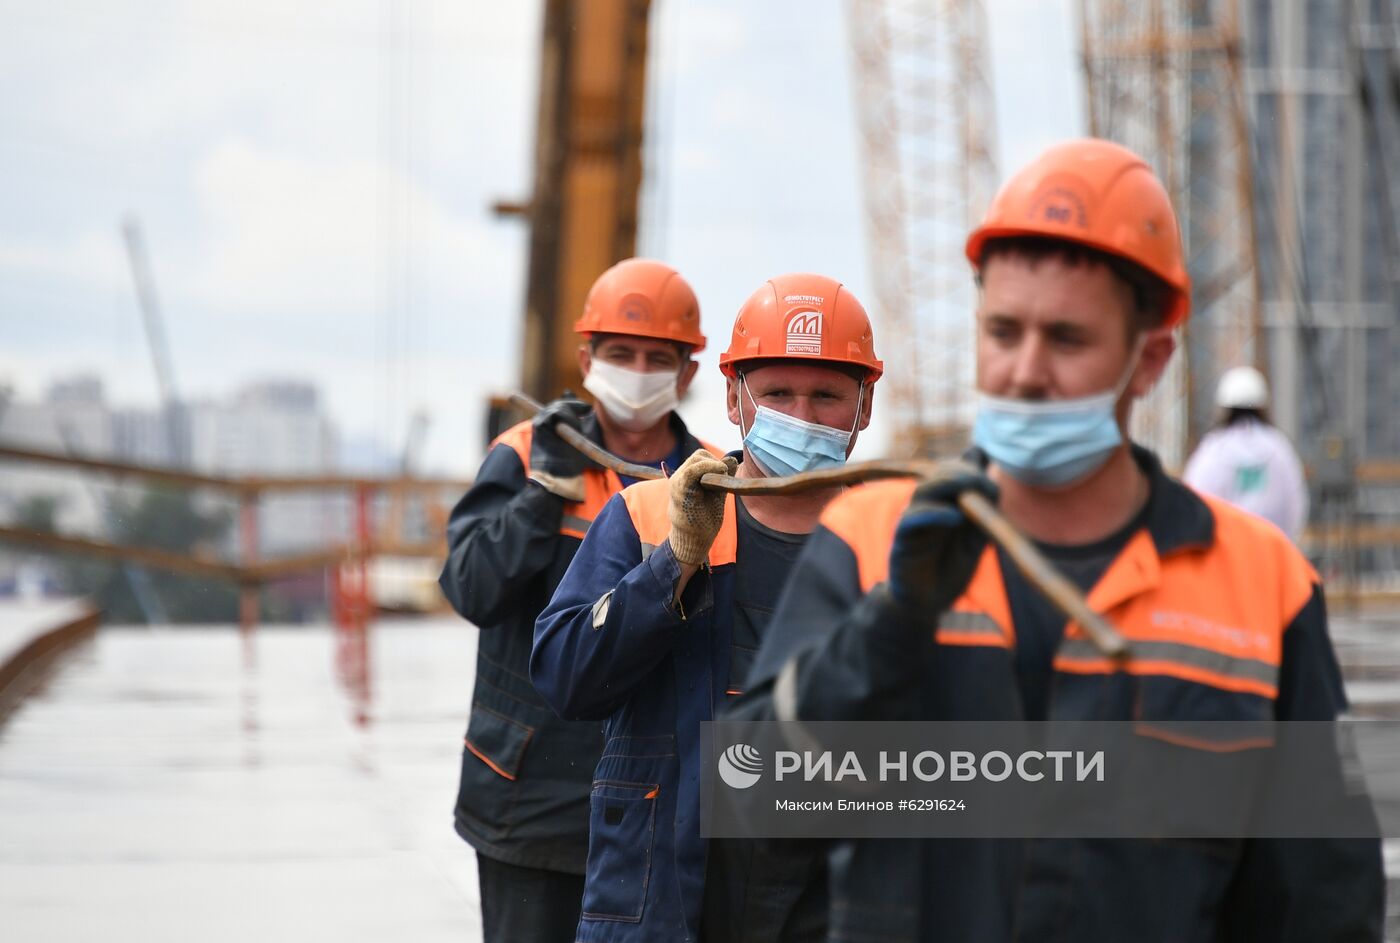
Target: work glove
[(936, 548), (555, 464), (696, 512)]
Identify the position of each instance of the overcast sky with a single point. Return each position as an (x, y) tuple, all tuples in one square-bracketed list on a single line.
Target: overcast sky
[(314, 181)]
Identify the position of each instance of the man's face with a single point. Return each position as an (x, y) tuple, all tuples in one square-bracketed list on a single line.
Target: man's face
[(1049, 331), (804, 391), (642, 355)]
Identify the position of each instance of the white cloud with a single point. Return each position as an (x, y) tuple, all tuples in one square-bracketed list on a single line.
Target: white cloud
[(692, 38), (288, 233), (254, 139), (1036, 77), (94, 258)]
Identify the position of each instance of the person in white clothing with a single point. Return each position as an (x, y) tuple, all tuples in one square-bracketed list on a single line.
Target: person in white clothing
[(1246, 460)]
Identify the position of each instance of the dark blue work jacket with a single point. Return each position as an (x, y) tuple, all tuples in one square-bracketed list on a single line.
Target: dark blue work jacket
[(613, 645), (1227, 622), (523, 795)]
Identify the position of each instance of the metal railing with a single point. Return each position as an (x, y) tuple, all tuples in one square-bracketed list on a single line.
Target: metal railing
[(348, 561)]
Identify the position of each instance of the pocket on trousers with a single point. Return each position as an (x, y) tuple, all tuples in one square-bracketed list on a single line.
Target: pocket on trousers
[(621, 833)]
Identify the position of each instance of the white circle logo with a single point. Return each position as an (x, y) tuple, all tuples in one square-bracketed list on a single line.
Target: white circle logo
[(740, 766)]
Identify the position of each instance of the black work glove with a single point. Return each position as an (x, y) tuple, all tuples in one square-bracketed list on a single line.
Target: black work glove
[(554, 463), (936, 548)]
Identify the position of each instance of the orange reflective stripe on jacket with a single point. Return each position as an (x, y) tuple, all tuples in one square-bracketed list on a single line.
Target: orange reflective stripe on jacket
[(648, 504), (1219, 618), (1213, 615), (599, 484), (865, 519)]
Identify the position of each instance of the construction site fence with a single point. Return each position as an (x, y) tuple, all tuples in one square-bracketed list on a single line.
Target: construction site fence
[(1327, 539), (346, 562)]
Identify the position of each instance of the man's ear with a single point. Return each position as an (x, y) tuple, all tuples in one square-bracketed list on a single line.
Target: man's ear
[(865, 407), (731, 399), (684, 378), (585, 359), (1157, 348)]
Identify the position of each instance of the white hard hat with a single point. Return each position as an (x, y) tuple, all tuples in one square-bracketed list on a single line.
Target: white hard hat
[(1242, 388)]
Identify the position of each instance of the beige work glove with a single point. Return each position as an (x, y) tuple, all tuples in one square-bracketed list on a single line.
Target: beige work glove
[(696, 512)]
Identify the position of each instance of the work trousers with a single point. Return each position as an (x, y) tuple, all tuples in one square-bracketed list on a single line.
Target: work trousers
[(527, 905)]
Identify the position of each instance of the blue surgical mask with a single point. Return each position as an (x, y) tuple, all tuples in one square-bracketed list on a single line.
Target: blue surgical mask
[(783, 445), (1051, 443)]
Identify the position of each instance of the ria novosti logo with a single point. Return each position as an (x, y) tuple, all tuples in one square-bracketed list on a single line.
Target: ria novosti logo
[(740, 766)]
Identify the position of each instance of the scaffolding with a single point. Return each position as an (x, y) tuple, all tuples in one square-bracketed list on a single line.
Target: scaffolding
[(1165, 78), (1276, 127), (925, 114)]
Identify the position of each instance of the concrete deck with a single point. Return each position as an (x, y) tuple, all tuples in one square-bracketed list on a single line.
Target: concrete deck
[(165, 786), (161, 788), (22, 620)]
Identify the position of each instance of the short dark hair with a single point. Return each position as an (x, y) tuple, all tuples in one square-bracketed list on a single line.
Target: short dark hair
[(1239, 414), (1152, 296)]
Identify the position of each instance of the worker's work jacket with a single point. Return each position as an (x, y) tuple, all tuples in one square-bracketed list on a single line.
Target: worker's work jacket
[(523, 797), (614, 645), (1227, 623)]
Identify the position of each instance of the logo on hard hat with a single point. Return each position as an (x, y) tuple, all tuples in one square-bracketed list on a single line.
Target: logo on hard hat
[(740, 766), (1060, 205), (635, 308), (804, 333)]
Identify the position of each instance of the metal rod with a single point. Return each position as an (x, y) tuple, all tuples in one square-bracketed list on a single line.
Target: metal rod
[(252, 483), (1065, 596), (191, 564), (1042, 574), (249, 598)]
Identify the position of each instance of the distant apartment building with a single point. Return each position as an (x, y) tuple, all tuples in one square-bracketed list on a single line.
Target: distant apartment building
[(266, 428)]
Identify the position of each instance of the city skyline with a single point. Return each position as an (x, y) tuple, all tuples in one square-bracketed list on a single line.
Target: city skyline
[(320, 199)]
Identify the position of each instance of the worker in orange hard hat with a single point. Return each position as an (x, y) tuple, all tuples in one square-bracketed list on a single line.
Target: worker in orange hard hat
[(526, 775), (899, 608), (658, 618)]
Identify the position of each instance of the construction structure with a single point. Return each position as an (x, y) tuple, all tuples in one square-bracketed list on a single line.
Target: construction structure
[(1165, 78), (1323, 85), (926, 117), (588, 174), (1277, 129)]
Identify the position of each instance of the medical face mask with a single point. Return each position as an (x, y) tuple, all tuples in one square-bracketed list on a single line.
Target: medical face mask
[(1051, 443), (783, 445), (635, 401)]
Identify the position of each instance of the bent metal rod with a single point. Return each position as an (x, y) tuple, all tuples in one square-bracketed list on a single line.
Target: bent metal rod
[(1065, 596)]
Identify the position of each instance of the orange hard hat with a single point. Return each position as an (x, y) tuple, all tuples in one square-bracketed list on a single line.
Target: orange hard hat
[(1099, 194), (802, 317), (646, 299)]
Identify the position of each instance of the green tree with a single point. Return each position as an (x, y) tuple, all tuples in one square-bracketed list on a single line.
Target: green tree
[(39, 513), (167, 520)]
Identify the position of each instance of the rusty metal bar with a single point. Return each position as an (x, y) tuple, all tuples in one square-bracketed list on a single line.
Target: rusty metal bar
[(168, 476), (191, 565), (250, 483), (186, 563), (1029, 560)]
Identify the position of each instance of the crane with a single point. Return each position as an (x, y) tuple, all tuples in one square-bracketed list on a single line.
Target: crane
[(925, 109), (177, 444), (588, 174)]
